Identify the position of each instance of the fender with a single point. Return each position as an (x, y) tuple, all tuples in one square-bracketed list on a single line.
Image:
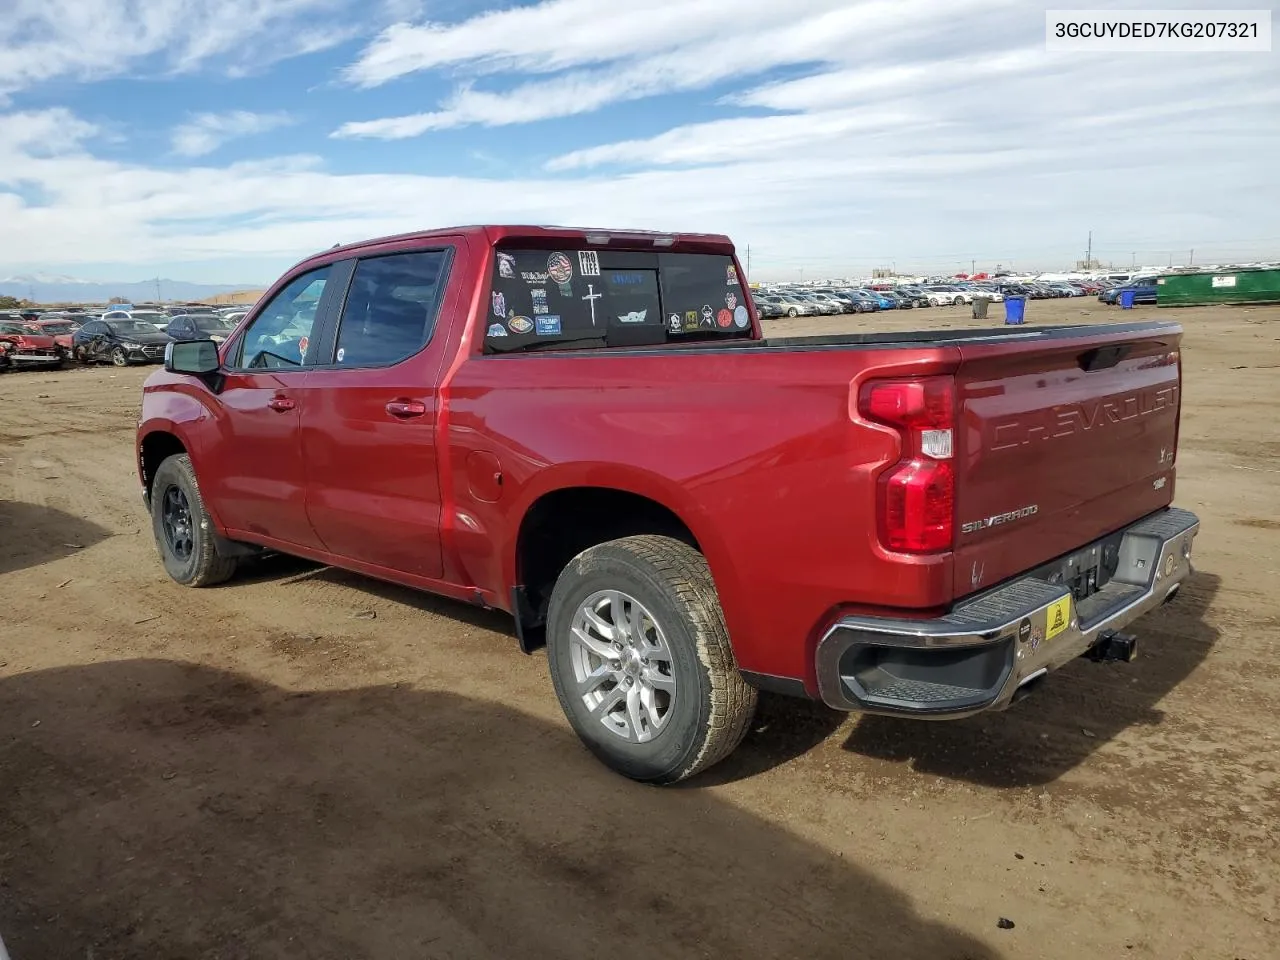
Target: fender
[(178, 411), (627, 479)]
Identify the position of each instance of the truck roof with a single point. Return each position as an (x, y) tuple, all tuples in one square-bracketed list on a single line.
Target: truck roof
[(503, 233)]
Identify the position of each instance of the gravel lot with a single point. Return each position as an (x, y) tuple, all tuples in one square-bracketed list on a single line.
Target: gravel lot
[(264, 770)]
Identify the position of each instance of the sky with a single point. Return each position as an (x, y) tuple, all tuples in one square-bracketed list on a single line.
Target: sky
[(221, 141)]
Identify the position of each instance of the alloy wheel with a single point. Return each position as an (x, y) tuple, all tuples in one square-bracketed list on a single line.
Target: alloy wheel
[(623, 666)]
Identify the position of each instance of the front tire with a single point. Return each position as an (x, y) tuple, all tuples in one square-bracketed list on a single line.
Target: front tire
[(119, 357), (793, 312), (183, 528), (641, 660)]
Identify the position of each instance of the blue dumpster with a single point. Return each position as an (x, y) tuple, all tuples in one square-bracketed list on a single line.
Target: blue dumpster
[(1126, 299), (1015, 309)]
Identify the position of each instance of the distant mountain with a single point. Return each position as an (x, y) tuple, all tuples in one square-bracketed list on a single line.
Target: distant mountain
[(52, 288)]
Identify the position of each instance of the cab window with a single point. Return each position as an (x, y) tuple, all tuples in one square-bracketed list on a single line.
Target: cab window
[(612, 298), (280, 335), (391, 308)]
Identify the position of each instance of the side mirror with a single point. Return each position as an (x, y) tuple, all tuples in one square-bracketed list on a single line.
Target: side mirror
[(198, 357)]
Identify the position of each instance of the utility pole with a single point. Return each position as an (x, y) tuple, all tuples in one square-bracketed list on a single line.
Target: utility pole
[(1088, 253), (1192, 259), (1171, 261), (159, 299), (1133, 263), (972, 267)]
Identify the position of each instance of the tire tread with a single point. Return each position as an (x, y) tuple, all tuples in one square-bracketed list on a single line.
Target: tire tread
[(211, 568), (684, 571)]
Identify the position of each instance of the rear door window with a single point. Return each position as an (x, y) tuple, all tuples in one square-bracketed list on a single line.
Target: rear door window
[(391, 307), (612, 298)]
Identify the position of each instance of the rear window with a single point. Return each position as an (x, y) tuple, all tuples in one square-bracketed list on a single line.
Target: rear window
[(612, 298)]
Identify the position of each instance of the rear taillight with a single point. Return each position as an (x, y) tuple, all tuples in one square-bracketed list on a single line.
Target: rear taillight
[(916, 495)]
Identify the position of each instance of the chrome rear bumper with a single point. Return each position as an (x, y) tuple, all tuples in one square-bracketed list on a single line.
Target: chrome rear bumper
[(976, 657)]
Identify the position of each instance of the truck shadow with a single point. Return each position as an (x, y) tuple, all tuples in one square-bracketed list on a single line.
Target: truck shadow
[(784, 728), (31, 535), (1075, 711), (160, 809), (284, 569)]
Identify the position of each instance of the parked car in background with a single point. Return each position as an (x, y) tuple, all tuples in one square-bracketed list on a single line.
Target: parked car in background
[(28, 347), (918, 296), (768, 308), (883, 300), (199, 326), (794, 306), (61, 330), (1015, 290), (121, 340), (901, 301), (72, 319), (824, 308), (157, 318), (864, 301), (1145, 291), (840, 304), (942, 294), (989, 291)]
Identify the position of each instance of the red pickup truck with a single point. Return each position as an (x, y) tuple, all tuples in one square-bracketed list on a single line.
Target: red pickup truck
[(588, 429)]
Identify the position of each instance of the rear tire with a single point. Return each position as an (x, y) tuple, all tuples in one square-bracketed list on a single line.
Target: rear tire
[(186, 543), (793, 312), (119, 357), (663, 700)]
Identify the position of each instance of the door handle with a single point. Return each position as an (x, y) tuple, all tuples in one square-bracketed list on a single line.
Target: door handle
[(406, 409), (281, 404)]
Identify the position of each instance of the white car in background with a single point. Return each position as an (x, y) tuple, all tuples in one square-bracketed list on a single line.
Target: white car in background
[(990, 293), (940, 295)]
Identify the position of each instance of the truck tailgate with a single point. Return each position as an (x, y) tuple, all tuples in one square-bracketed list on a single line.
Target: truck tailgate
[(1063, 438)]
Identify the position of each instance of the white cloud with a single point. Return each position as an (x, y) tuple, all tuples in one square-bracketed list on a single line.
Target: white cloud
[(205, 132), (639, 50), (898, 133), (43, 40), (876, 190)]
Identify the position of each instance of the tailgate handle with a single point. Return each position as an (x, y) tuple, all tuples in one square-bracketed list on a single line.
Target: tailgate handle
[(1100, 358)]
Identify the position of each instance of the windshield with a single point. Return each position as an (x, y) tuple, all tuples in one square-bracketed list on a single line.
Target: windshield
[(211, 324), (129, 328)]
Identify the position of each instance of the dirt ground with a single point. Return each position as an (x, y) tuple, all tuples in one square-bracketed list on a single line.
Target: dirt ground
[(265, 770)]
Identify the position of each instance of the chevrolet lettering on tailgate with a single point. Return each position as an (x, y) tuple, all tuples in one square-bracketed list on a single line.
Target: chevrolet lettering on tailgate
[(1065, 420)]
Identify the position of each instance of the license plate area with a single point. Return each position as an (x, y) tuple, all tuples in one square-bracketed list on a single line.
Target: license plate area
[(1087, 571)]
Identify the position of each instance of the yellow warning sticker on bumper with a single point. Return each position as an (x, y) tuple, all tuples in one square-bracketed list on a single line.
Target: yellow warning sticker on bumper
[(1059, 617)]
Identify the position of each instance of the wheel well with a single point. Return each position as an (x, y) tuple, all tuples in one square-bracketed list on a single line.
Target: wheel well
[(560, 525), (156, 449)]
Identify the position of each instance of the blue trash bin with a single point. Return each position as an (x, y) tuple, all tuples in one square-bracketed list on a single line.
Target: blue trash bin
[(1015, 309), (1126, 299)]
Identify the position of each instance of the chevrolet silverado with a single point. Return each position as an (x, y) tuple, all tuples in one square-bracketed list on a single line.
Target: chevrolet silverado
[(589, 430)]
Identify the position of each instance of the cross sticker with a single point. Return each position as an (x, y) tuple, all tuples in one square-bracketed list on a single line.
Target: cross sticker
[(591, 298)]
